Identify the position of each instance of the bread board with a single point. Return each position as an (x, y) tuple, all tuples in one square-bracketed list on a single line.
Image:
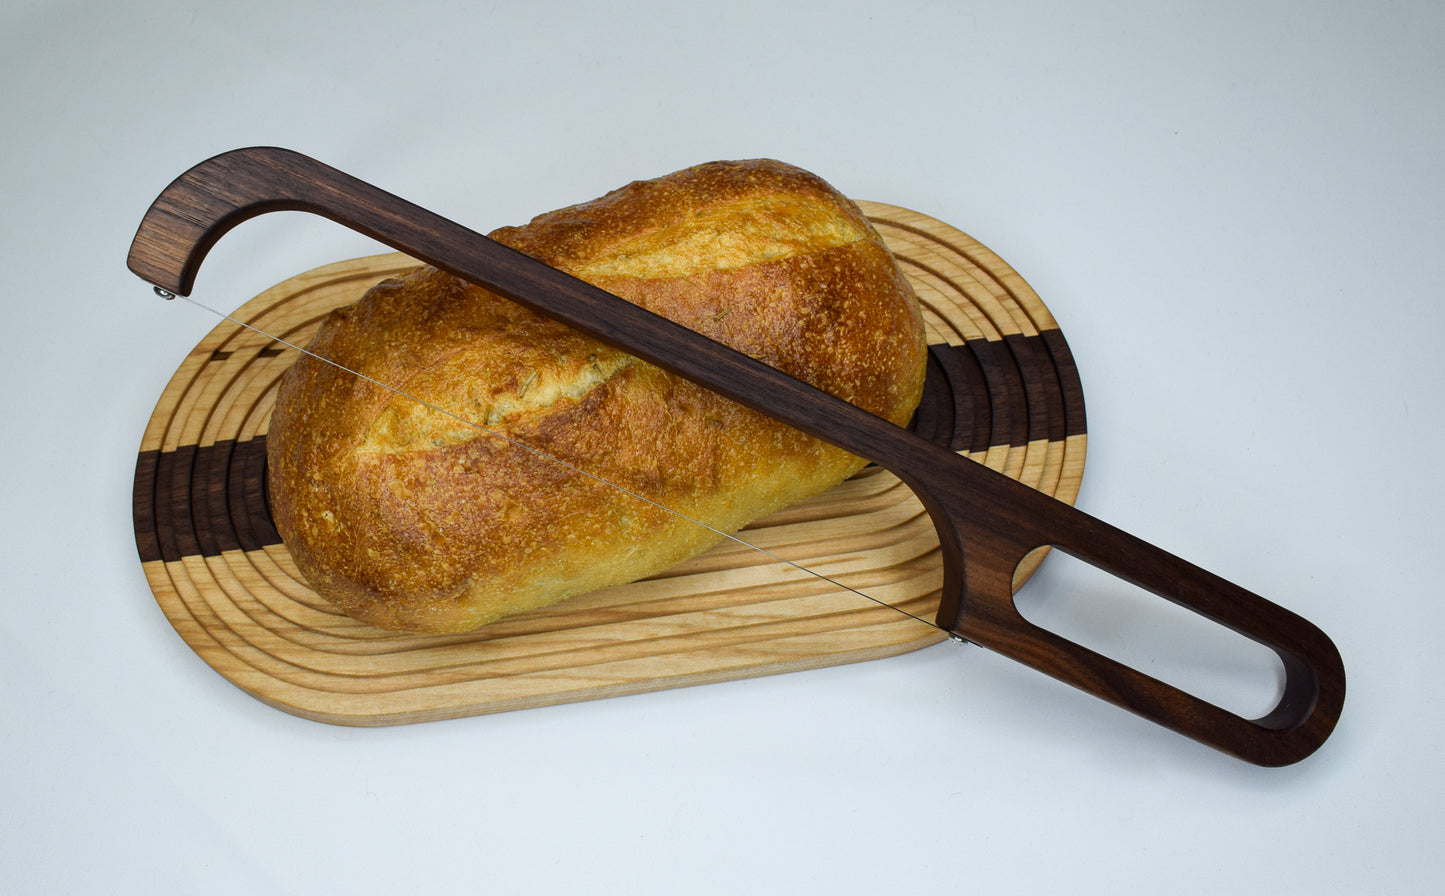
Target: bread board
[(1003, 390)]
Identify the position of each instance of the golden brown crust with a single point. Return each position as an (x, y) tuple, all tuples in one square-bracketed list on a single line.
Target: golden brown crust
[(410, 517)]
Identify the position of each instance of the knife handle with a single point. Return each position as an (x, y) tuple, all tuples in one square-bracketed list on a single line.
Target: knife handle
[(986, 522), (994, 522)]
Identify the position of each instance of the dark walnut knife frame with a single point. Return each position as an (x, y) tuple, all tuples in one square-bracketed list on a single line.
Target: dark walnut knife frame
[(987, 523)]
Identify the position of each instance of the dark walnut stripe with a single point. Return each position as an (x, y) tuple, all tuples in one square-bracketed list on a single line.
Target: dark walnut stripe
[(204, 501), (1071, 388), (1001, 393), (196, 501)]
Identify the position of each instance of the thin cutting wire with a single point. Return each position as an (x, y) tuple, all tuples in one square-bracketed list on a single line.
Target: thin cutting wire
[(168, 296)]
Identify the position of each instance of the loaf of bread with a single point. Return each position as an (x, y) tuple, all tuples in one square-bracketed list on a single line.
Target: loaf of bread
[(423, 512)]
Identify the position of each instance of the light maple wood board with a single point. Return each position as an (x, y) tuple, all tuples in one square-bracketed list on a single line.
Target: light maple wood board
[(1003, 390)]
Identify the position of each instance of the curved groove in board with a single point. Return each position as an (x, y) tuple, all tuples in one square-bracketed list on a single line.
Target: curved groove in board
[(995, 323), (1012, 382), (906, 226), (1006, 392)]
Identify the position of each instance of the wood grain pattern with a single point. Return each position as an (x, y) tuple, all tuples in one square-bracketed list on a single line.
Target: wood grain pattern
[(1002, 389)]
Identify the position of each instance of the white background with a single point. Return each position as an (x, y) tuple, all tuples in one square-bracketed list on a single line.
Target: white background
[(1233, 209)]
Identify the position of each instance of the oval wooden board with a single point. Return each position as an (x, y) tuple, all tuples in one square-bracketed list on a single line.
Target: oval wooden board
[(1002, 389)]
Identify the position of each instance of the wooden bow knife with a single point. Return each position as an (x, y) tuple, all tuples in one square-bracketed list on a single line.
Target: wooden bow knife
[(986, 522)]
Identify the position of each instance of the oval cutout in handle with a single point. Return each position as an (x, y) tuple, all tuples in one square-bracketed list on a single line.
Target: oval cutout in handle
[(1103, 613), (1017, 520)]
